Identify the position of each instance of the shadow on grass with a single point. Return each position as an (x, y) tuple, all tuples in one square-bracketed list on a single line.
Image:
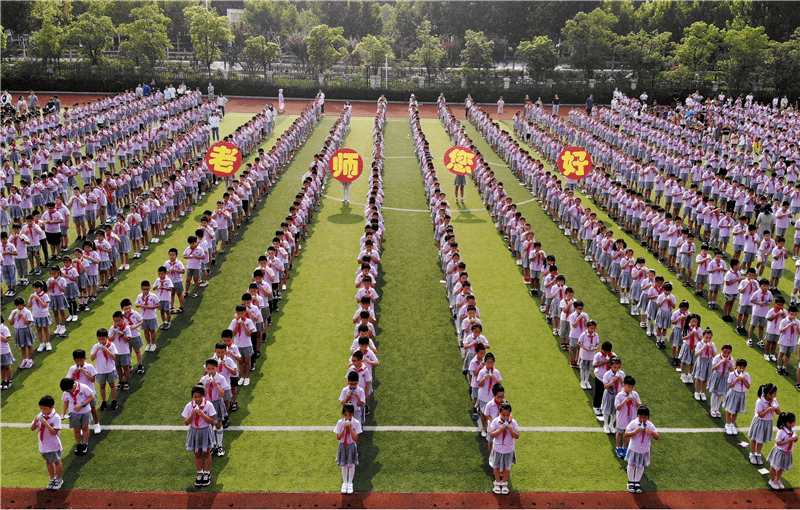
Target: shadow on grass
[(345, 217)]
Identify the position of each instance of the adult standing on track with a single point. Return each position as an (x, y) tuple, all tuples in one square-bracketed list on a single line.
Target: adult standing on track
[(281, 102), (213, 121), (321, 98), (221, 101), (210, 92), (500, 105), (467, 105), (556, 105), (589, 104)]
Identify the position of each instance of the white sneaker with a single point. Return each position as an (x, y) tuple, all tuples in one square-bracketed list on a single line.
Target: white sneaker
[(689, 379), (247, 381), (697, 396), (349, 488), (241, 382), (703, 397), (97, 428), (40, 348), (344, 488), (766, 357), (48, 347)]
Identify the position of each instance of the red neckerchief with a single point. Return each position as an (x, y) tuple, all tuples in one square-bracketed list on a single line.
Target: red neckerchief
[(238, 328), (791, 434), (42, 427), (77, 373), (74, 395), (708, 350), (346, 434), (629, 404), (107, 345), (52, 285), (616, 382), (210, 388), (489, 379), (202, 407), (503, 440), (644, 432)]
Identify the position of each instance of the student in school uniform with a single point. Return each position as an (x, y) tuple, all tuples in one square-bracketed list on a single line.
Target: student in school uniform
[(47, 424), (353, 395), (20, 319), (56, 288), (85, 373), (148, 303), (163, 288), (640, 433), (120, 336), (588, 343), (359, 366), (601, 366), (761, 427), (77, 398), (781, 458), (705, 351), (6, 357), (627, 403), (199, 414), (39, 303), (347, 431), (612, 382), (104, 355), (243, 329), (504, 431), (216, 387), (721, 366), (487, 378)]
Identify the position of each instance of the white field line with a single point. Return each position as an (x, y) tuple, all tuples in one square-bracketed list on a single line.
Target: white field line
[(373, 428)]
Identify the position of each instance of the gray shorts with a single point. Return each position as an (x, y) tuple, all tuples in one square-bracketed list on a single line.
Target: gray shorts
[(52, 457), (177, 287), (701, 278), (715, 287), (123, 360), (746, 310), (150, 324), (109, 378), (738, 247), (776, 273), (76, 420), (787, 349), (78, 219), (136, 343), (759, 321), (164, 306), (192, 273), (730, 297)]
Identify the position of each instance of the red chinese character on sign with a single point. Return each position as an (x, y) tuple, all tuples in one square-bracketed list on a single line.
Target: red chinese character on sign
[(346, 165), (574, 163), (460, 160), (224, 159)]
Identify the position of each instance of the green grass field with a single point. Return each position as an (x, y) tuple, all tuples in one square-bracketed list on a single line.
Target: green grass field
[(419, 382)]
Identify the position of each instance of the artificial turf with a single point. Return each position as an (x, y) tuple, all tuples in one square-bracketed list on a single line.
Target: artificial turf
[(419, 382)]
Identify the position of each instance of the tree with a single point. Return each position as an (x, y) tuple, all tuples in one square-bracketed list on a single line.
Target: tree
[(208, 32), (272, 19), (147, 35), (57, 13), (429, 52), (3, 39), (645, 53), (93, 34), (538, 54), (374, 50), (590, 37), (47, 43), (357, 18), (699, 46), (477, 52), (746, 51), (325, 46), (259, 53)]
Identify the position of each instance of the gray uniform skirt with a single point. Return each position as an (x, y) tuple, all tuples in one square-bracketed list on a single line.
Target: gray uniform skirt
[(735, 402), (760, 430), (460, 180), (219, 408), (627, 281), (347, 454), (200, 439), (718, 384), (58, 302), (637, 459), (702, 369), (502, 461), (23, 337), (608, 406), (687, 355), (7, 359), (779, 459), (72, 291), (663, 319)]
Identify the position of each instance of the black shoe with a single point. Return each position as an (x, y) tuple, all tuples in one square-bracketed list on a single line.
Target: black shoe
[(140, 369), (114, 405), (234, 407), (206, 479), (104, 406), (125, 387), (78, 449), (226, 423), (367, 411), (198, 482)]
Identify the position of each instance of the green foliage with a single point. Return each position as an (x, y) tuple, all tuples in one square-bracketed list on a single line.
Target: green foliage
[(93, 34), (591, 39), (539, 55), (55, 12), (208, 32), (48, 43), (147, 35), (785, 62), (273, 19), (259, 53), (477, 52), (429, 52), (746, 51), (699, 46), (325, 46), (374, 50), (645, 53), (355, 17), (3, 39)]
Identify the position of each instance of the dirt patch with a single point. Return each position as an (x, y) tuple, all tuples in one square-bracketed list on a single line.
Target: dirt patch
[(40, 498)]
